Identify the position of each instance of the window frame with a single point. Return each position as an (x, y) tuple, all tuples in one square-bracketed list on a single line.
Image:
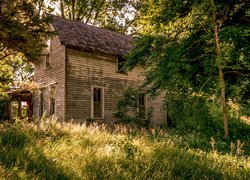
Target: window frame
[(118, 63), (41, 102), (48, 54), (145, 104), (50, 110), (102, 101)]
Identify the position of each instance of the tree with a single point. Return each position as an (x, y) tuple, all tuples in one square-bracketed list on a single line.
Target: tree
[(116, 15), (195, 47), (5, 75), (22, 29), (14, 72), (22, 38)]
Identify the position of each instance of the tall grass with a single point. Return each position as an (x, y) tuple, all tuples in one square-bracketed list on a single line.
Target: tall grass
[(50, 150)]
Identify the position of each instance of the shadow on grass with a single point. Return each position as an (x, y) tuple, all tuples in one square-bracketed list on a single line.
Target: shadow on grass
[(19, 151)]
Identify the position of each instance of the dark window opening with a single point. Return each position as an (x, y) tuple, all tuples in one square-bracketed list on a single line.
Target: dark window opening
[(47, 58), (120, 64), (98, 103), (52, 100), (41, 103), (142, 105)]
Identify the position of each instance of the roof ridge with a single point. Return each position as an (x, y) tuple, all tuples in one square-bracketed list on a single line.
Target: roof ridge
[(87, 37), (89, 25)]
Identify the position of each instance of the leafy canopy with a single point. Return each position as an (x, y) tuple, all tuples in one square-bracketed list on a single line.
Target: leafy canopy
[(176, 46), (22, 29)]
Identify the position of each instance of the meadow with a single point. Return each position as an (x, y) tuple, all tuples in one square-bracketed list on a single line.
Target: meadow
[(52, 150)]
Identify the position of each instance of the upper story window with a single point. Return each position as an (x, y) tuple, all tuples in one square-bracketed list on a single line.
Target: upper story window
[(120, 62), (48, 54)]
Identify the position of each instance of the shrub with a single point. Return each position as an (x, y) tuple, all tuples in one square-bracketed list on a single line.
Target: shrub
[(4, 99), (130, 101)]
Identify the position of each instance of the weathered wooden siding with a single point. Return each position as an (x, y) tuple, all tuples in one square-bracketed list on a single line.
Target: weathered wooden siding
[(159, 115), (84, 70), (52, 76)]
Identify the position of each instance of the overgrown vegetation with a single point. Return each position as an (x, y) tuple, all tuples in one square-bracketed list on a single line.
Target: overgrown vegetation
[(22, 29), (195, 47), (50, 150), (4, 98), (131, 110), (202, 115)]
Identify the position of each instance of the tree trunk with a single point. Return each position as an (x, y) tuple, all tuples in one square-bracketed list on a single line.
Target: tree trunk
[(19, 111), (73, 10), (222, 85), (221, 74), (223, 101), (62, 8)]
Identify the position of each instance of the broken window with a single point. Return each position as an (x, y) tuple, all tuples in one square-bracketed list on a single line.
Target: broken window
[(97, 102), (120, 63)]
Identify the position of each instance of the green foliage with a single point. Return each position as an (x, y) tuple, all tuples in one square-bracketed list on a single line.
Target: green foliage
[(14, 70), (66, 151), (130, 103), (201, 114), (21, 69), (22, 29), (4, 99), (191, 113), (178, 48), (5, 75)]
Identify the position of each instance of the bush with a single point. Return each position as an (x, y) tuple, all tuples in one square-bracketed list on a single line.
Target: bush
[(130, 101), (4, 99), (190, 113)]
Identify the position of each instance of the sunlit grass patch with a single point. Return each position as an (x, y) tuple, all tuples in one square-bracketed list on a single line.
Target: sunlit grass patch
[(51, 150)]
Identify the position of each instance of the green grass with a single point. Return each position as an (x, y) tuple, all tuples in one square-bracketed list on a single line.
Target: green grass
[(66, 151)]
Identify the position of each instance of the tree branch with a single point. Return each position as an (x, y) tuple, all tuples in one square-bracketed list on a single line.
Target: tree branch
[(7, 54)]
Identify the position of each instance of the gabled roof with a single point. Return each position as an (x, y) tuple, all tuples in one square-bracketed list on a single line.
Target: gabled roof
[(81, 36)]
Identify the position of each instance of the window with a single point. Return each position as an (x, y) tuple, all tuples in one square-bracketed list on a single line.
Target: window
[(52, 100), (41, 103), (120, 62), (142, 105), (97, 100), (47, 57), (48, 54)]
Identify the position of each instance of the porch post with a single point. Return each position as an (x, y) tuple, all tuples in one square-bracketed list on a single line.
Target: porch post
[(19, 108), (29, 110)]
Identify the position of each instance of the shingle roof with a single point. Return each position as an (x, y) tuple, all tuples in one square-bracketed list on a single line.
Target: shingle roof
[(87, 37)]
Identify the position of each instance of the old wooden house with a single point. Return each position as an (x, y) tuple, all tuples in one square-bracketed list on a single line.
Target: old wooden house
[(81, 78)]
